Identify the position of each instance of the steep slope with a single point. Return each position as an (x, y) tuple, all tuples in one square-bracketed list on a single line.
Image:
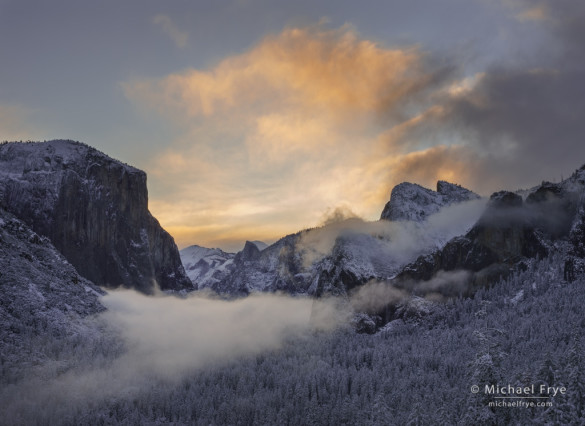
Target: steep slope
[(95, 211), (410, 201), (502, 237), (42, 299)]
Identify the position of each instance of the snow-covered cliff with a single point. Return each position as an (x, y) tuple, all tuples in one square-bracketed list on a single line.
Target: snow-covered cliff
[(95, 211)]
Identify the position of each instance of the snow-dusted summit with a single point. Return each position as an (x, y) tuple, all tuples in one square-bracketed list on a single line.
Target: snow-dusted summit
[(412, 202)]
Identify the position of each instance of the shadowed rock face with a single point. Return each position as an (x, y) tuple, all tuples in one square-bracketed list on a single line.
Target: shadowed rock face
[(95, 211), (504, 235), (507, 229)]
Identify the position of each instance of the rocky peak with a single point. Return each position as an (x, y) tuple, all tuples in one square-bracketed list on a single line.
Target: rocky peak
[(412, 202), (94, 209), (249, 253), (545, 192)]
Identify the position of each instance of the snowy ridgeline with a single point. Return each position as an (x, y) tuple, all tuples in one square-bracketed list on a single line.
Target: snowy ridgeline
[(409, 201), (423, 232), (524, 331), (330, 259)]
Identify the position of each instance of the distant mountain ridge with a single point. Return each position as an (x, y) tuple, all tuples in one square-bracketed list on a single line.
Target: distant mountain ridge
[(95, 211), (354, 257), (509, 232), (205, 266)]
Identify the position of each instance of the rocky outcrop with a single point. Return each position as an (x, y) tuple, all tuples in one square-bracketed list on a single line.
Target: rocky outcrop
[(250, 253), (504, 235), (94, 209), (409, 201)]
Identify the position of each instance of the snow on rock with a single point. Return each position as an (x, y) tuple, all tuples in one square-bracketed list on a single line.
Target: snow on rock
[(517, 298), (205, 266), (332, 259), (410, 201), (41, 294), (95, 211)]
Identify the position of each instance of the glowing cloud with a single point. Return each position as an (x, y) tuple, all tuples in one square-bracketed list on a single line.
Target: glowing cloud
[(331, 70), (305, 121)]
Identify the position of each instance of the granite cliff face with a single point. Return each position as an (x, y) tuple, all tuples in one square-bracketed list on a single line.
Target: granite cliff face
[(94, 209), (511, 231)]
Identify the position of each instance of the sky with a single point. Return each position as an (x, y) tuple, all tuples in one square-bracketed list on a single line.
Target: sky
[(258, 118)]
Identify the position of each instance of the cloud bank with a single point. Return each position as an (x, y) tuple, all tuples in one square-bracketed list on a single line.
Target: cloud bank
[(166, 338)]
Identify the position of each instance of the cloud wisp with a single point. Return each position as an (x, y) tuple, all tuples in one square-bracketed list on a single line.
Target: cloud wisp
[(180, 38), (374, 296), (399, 242)]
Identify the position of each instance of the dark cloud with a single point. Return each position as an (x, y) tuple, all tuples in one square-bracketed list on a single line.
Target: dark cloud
[(533, 119), (522, 120)]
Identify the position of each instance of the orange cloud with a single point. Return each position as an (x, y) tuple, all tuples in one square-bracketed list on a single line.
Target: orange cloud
[(332, 70), (304, 122), (528, 10), (452, 163)]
